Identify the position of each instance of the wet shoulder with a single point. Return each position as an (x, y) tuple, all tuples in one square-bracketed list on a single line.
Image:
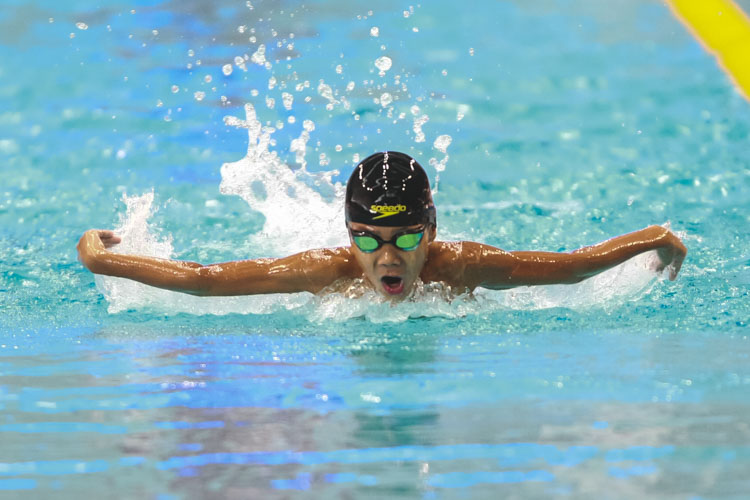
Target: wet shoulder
[(446, 262), (326, 265)]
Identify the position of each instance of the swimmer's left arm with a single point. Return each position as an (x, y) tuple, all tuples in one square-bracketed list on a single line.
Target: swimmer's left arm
[(494, 268)]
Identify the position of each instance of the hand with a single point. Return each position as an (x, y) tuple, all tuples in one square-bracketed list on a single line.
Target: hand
[(94, 242), (671, 255)]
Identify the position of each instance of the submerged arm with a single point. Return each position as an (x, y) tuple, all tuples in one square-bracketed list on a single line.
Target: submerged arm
[(491, 267), (307, 271)]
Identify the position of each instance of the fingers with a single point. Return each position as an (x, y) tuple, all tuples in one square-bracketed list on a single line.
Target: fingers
[(109, 238), (674, 267)]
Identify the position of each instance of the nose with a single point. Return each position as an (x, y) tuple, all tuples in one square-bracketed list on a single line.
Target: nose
[(389, 256)]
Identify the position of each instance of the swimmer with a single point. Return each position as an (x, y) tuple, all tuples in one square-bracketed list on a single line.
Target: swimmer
[(391, 221)]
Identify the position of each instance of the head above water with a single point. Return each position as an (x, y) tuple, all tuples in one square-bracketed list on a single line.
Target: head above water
[(389, 189)]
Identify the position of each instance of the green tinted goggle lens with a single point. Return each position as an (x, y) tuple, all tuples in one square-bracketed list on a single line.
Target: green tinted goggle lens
[(409, 241), (405, 241), (366, 243)]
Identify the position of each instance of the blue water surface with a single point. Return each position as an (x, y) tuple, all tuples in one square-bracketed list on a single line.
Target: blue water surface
[(570, 122)]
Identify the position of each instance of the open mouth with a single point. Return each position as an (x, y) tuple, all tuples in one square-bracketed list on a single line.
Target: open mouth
[(393, 285)]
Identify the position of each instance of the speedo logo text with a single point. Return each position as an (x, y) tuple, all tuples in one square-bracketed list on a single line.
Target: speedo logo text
[(387, 210)]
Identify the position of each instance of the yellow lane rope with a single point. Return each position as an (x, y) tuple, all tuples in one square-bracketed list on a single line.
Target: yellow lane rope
[(724, 30)]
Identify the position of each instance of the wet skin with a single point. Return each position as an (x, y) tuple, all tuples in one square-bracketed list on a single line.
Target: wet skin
[(462, 265), (388, 264)]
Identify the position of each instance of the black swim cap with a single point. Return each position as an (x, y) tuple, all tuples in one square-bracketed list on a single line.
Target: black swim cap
[(389, 189)]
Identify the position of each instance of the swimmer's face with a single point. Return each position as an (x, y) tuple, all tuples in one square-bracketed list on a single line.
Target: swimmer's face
[(391, 271)]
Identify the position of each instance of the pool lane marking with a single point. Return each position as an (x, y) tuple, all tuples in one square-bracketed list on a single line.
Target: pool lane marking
[(724, 30)]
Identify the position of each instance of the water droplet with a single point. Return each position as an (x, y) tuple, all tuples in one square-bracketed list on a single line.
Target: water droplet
[(82, 26), (471, 51), (72, 35), (199, 95), (155, 32), (350, 86), (339, 69), (270, 102), (338, 148), (383, 63), (241, 29), (287, 99), (385, 99), (191, 52), (406, 13), (461, 111), (227, 69), (259, 56), (419, 121), (175, 89), (444, 72), (326, 92), (207, 78), (374, 31), (415, 29), (442, 143)]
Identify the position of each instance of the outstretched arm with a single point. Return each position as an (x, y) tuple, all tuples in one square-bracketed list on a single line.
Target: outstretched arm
[(491, 267), (307, 271)]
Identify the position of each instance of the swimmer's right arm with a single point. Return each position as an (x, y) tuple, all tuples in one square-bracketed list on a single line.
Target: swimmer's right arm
[(309, 271)]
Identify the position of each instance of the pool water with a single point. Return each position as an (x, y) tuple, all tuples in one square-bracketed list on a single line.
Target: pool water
[(223, 130)]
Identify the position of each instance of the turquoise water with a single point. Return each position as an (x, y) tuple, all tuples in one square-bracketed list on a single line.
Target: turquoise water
[(569, 122)]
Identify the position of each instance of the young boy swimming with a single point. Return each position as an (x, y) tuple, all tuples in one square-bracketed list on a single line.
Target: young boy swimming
[(390, 217)]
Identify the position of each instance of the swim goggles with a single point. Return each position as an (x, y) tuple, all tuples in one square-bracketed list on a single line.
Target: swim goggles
[(406, 240)]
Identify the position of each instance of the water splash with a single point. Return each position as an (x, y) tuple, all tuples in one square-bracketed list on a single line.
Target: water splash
[(138, 238), (301, 209), (358, 300)]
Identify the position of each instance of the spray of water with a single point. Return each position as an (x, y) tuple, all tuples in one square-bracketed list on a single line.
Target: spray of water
[(298, 206)]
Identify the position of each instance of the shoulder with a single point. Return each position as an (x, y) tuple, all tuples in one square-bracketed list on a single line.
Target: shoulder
[(446, 262), (325, 265), (465, 263), (464, 252)]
